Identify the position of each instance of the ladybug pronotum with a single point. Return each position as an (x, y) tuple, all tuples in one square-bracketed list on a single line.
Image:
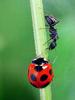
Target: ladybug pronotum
[(40, 73)]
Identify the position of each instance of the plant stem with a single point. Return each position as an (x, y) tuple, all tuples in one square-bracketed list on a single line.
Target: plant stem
[(40, 38)]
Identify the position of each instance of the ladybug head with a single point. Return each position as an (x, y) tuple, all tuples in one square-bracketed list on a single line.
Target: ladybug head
[(39, 61)]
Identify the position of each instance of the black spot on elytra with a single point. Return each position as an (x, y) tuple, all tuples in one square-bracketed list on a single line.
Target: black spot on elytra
[(33, 78), (43, 77), (50, 71), (45, 85), (38, 68)]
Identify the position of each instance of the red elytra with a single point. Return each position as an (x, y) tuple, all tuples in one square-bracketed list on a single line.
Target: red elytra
[(40, 75)]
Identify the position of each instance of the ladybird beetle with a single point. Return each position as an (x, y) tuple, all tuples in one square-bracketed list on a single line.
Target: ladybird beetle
[(40, 73)]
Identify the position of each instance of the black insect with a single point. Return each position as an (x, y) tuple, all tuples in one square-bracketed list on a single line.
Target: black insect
[(53, 32), (52, 21)]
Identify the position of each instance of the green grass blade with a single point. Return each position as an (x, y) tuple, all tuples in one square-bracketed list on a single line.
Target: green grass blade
[(40, 39)]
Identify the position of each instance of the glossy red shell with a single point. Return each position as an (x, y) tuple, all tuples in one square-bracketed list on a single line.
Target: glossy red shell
[(40, 79)]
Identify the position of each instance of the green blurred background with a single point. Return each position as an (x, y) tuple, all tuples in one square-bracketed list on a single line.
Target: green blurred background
[(17, 49)]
